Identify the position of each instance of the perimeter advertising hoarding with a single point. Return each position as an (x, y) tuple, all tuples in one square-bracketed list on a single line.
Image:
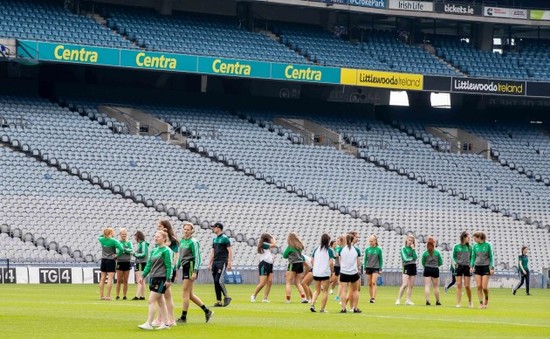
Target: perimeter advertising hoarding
[(538, 89), (539, 15), (437, 83), (499, 12), (368, 3), (407, 5), (488, 86), (369, 78), (457, 8)]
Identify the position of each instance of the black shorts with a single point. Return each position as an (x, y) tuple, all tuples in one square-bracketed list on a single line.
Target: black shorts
[(158, 285), (336, 270), (463, 270), (369, 270), (265, 268), (320, 278), (349, 278), (140, 266), (482, 270), (431, 272), (123, 266), (188, 269), (108, 265), (409, 269), (296, 267)]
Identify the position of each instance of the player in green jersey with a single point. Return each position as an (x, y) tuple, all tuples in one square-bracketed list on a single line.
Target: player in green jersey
[(481, 264), (461, 257), (221, 256), (141, 254), (110, 249), (189, 260), (123, 264), (295, 266), (408, 257), (159, 266), (173, 245), (523, 269), (431, 260), (373, 265)]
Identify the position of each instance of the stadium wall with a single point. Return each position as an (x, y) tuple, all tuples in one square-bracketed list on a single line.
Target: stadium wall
[(51, 274)]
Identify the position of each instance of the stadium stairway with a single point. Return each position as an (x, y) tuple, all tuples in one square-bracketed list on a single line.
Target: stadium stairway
[(431, 49)]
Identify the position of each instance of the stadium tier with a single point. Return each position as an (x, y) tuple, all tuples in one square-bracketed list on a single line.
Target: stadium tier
[(197, 34), (526, 61), (256, 180), (49, 21), (381, 50)]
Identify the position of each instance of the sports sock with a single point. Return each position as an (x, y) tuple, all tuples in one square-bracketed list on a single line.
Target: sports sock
[(204, 308)]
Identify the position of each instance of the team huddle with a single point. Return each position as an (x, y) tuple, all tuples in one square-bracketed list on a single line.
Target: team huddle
[(332, 264)]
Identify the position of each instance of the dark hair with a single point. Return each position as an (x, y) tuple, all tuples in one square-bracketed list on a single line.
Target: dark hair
[(349, 240), (170, 231), (331, 243), (266, 237), (480, 235), (139, 236), (325, 239), (523, 249), (463, 236)]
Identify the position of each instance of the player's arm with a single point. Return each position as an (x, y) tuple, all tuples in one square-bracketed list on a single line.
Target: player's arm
[(229, 255)]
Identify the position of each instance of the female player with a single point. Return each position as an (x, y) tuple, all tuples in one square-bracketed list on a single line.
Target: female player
[(173, 245), (110, 248), (373, 265), (141, 254), (190, 262), (335, 280), (159, 266), (523, 269), (462, 254), (123, 264), (323, 265), (349, 274), (408, 257), (482, 266), (431, 260), (307, 276), (265, 267), (295, 266)]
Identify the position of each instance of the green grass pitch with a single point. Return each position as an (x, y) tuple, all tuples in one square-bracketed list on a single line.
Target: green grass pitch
[(75, 311)]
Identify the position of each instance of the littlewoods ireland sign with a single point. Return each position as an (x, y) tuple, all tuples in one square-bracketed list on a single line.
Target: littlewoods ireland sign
[(488, 86), (407, 5)]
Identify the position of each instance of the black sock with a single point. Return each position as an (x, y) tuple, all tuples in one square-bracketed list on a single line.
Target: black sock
[(184, 314), (204, 308)]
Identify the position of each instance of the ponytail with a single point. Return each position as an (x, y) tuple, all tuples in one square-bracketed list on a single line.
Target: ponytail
[(349, 240)]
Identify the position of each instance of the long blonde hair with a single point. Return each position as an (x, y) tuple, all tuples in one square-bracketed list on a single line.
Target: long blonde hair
[(294, 241)]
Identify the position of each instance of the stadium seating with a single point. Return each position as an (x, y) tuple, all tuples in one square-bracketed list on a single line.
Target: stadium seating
[(49, 21), (524, 62), (424, 210), (166, 177), (196, 34), (381, 50)]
